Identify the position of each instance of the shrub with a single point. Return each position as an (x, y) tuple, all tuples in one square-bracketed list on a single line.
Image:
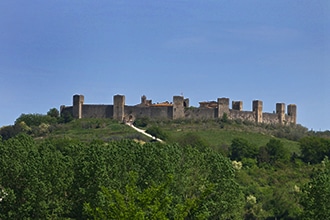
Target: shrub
[(157, 132), (194, 140), (141, 122)]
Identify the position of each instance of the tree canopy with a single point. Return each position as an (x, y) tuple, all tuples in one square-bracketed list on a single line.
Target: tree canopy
[(62, 178)]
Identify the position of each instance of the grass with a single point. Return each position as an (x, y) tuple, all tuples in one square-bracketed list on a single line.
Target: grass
[(216, 133), (92, 129)]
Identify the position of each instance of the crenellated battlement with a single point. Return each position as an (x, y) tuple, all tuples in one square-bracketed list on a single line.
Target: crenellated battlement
[(179, 109)]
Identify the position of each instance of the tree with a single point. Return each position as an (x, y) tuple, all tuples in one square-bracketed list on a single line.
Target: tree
[(315, 199), (10, 131), (241, 148), (153, 202), (276, 151), (53, 179), (314, 149), (35, 119), (35, 178), (66, 117), (53, 112)]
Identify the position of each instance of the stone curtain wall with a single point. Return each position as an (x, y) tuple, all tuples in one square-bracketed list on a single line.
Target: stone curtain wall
[(242, 115), (200, 113), (120, 111), (97, 111), (150, 112)]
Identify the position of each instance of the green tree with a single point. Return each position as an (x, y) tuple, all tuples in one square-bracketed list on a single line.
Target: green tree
[(53, 112), (35, 119), (314, 149), (240, 148), (36, 179), (65, 117), (316, 194), (12, 130), (276, 151), (153, 202)]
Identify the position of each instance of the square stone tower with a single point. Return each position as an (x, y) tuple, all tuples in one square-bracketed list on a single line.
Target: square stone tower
[(257, 109), (292, 111), (237, 105), (280, 111), (78, 101), (178, 107), (118, 107), (223, 107)]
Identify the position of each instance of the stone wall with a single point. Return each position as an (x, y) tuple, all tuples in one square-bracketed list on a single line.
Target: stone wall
[(151, 112), (66, 109), (180, 110), (200, 113), (270, 118), (242, 115), (97, 111)]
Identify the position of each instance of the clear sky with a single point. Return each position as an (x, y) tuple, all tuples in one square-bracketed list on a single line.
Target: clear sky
[(274, 51)]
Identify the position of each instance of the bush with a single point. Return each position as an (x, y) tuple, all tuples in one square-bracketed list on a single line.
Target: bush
[(141, 122), (194, 140), (157, 132)]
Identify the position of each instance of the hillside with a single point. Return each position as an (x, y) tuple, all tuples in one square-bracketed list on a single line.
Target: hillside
[(216, 133), (271, 165)]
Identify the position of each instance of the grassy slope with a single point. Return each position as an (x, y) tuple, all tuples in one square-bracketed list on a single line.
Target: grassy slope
[(92, 129), (216, 135)]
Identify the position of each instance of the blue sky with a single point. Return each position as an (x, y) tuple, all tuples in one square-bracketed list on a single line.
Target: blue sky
[(274, 51)]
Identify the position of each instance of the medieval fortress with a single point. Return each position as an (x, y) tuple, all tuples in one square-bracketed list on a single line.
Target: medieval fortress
[(179, 109)]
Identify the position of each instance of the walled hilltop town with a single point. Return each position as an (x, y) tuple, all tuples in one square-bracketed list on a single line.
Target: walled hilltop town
[(179, 109)]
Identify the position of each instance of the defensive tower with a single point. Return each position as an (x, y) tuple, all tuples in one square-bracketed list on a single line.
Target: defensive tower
[(292, 111), (280, 111), (118, 107), (78, 101), (257, 109), (178, 107), (223, 107), (237, 105)]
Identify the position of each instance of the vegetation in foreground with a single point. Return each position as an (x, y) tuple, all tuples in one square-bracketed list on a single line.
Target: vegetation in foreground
[(58, 168)]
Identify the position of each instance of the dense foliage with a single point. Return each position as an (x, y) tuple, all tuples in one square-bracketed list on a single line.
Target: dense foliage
[(71, 179), (317, 193), (206, 170), (314, 149)]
